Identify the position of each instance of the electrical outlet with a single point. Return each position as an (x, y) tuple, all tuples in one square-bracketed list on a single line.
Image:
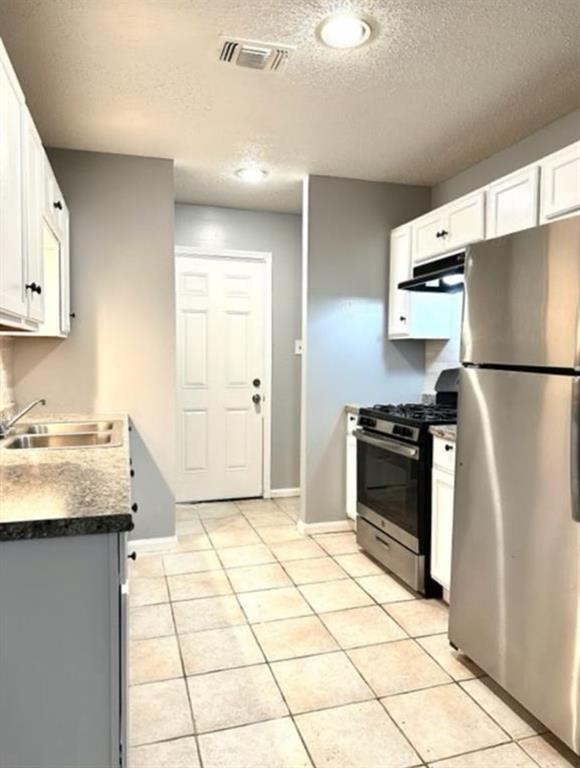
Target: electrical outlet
[(298, 346)]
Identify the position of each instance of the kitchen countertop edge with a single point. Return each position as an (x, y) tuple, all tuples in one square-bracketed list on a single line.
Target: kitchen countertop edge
[(88, 513), (444, 431)]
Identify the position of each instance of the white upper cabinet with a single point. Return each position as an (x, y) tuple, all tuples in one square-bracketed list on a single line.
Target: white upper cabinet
[(512, 202), (400, 270), (13, 304), (413, 315), (33, 221), (465, 220), (450, 227), (560, 181), (429, 233), (34, 238)]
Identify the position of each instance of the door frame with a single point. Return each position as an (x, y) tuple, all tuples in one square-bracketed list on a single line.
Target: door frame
[(265, 257)]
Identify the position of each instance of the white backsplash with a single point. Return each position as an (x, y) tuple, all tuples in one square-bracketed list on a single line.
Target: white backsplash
[(443, 354), (6, 377)]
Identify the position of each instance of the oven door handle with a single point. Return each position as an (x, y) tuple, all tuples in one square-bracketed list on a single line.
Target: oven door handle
[(388, 445)]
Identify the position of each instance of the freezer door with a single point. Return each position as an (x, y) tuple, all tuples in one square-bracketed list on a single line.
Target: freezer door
[(522, 299), (515, 597)]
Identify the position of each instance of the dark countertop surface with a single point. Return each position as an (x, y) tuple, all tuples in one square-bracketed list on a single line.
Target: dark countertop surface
[(65, 491)]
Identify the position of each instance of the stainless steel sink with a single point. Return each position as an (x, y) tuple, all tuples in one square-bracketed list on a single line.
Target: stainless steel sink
[(63, 427), (86, 434)]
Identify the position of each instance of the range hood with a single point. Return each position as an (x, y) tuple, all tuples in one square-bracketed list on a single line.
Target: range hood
[(444, 275)]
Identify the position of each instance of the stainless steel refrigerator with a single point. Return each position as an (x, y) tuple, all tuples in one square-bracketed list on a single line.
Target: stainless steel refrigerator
[(515, 581)]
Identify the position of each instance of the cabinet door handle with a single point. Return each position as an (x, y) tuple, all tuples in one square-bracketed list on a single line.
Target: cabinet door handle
[(34, 288), (403, 319), (58, 205), (132, 556), (135, 507), (448, 447)]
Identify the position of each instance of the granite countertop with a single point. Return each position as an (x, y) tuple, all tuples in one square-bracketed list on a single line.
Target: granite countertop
[(446, 431), (65, 492)]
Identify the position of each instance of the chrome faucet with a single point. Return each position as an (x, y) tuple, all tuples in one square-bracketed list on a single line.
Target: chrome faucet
[(6, 426)]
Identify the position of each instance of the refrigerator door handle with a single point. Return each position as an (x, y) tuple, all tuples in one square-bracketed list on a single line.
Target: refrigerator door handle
[(575, 450)]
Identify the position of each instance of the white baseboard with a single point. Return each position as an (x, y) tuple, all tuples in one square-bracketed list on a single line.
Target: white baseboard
[(153, 545), (336, 526), (284, 493)]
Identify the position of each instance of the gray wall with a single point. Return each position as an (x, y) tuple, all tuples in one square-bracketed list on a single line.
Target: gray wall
[(197, 225), (120, 353), (554, 136), (348, 357)]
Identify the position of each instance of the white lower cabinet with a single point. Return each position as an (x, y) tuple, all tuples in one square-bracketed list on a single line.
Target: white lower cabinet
[(442, 489), (560, 184), (512, 202), (351, 465)]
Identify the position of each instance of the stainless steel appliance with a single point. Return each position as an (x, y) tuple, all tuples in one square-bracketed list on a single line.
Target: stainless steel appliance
[(394, 482), (515, 582)]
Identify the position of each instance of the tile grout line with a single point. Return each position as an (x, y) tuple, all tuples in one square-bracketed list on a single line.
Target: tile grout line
[(452, 681), (340, 650), (184, 677), (273, 676)]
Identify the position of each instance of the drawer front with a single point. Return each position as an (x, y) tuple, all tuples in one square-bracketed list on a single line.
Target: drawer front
[(444, 454), (406, 564)]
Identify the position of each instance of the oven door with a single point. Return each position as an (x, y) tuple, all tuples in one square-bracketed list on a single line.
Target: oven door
[(388, 486)]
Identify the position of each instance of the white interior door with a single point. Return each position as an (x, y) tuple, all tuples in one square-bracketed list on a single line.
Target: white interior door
[(221, 368)]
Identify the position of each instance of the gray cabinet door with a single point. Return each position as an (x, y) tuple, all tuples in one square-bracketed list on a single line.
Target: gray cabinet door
[(59, 653)]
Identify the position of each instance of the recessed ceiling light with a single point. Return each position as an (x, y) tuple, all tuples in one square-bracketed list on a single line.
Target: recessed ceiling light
[(344, 30), (252, 175)]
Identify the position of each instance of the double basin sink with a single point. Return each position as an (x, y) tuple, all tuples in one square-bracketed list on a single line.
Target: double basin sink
[(63, 434)]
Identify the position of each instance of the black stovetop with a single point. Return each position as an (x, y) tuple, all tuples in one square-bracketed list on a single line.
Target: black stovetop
[(415, 414)]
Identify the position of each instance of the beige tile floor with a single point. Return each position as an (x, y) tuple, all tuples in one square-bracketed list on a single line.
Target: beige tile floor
[(253, 646)]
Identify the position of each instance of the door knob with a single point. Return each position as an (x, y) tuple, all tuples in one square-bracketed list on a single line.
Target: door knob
[(256, 399), (256, 382)]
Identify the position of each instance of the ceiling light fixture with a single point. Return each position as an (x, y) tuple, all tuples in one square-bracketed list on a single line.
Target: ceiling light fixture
[(251, 174), (344, 30)]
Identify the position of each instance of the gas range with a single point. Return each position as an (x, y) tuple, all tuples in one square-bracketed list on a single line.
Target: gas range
[(394, 449)]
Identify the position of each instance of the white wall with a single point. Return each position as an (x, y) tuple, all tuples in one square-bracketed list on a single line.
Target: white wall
[(443, 354), (120, 356), (348, 357), (6, 375), (279, 233)]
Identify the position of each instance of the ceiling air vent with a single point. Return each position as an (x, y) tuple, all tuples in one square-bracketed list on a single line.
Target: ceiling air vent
[(268, 57)]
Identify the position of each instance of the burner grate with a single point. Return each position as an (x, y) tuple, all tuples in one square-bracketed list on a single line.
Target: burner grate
[(418, 411)]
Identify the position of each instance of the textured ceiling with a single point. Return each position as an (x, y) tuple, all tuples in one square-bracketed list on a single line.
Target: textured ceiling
[(444, 84)]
